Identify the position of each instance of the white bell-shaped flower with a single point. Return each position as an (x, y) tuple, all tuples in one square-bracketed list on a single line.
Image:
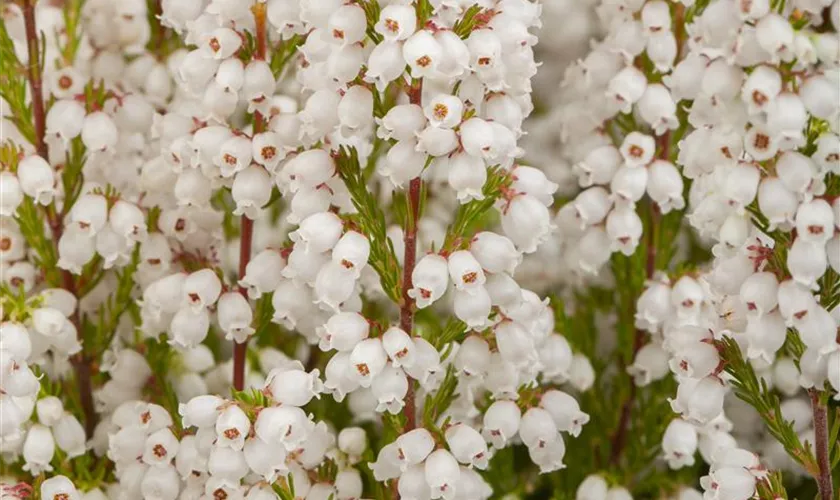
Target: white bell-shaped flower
[(442, 474), (807, 262), (430, 279), (263, 273), (189, 327), (472, 306), (390, 388), (467, 175), (699, 400), (99, 132), (38, 449), (385, 64), (59, 488), (565, 411), (292, 386), (37, 179), (679, 444), (537, 428), (467, 445), (422, 53), (235, 316), (368, 359)]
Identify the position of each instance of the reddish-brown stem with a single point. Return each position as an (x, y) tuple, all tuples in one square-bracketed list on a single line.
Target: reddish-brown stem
[(80, 362), (824, 480), (409, 260), (619, 439), (246, 226), (35, 81)]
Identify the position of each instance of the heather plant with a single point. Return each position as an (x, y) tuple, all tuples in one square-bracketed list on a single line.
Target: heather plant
[(357, 249)]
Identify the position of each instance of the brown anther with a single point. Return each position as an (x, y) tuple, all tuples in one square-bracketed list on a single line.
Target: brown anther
[(484, 61), (392, 25), (470, 277), (159, 450), (5, 243), (215, 46), (363, 369), (229, 159), (268, 152), (65, 82), (424, 61), (145, 417), (814, 229), (761, 141), (220, 494), (440, 111), (338, 34), (180, 225), (231, 433), (636, 151), (347, 264), (759, 98)]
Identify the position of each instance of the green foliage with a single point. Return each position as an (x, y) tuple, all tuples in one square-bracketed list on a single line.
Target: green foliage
[(13, 87), (372, 10), (755, 392), (282, 53), (424, 11), (468, 22), (98, 336), (470, 215), (370, 220), (436, 404), (161, 358)]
